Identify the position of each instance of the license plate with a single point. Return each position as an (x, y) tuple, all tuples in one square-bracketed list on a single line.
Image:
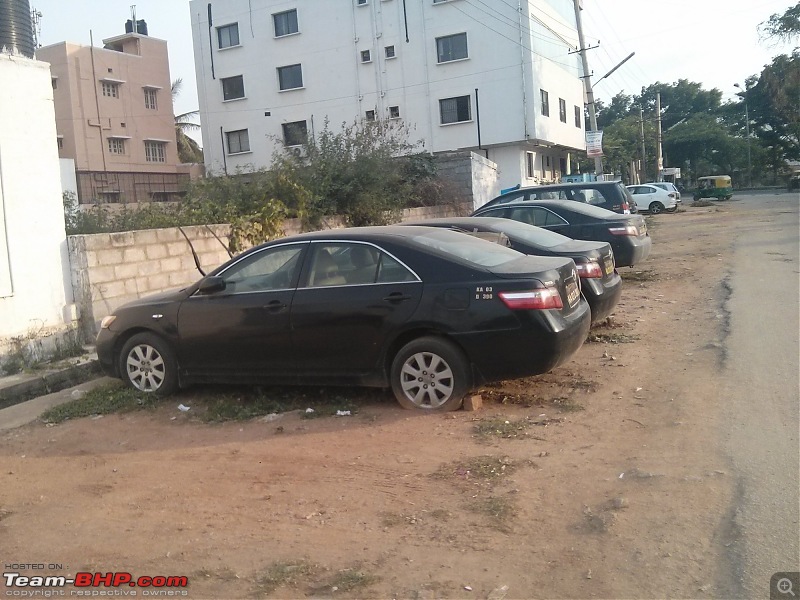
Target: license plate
[(573, 293), (609, 265)]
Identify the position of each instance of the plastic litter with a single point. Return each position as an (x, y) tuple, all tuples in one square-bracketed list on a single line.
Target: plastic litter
[(183, 408), (342, 413)]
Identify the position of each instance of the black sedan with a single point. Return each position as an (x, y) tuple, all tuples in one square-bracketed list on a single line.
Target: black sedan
[(601, 285), (627, 234), (430, 313)]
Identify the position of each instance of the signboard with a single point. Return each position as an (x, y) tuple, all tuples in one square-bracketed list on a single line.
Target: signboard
[(594, 143)]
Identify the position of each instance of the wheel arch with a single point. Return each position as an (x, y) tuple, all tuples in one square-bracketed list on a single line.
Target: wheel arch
[(413, 334)]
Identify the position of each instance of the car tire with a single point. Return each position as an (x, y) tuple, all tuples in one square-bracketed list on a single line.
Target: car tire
[(656, 208), (148, 364), (430, 373)]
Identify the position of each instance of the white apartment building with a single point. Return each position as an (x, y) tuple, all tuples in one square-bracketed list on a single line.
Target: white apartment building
[(498, 77)]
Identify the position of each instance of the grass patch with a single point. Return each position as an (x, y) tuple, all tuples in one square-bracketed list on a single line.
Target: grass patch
[(478, 467), (283, 575), (566, 404), (611, 338), (348, 580), (648, 275), (104, 400), (499, 427), (499, 509), (264, 401)]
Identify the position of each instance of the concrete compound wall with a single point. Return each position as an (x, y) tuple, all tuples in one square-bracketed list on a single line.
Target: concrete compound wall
[(110, 269)]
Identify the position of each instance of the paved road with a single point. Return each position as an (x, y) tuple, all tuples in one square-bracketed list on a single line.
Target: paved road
[(763, 392)]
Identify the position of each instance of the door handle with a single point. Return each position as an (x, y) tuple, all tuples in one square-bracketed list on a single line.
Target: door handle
[(275, 306), (397, 297)]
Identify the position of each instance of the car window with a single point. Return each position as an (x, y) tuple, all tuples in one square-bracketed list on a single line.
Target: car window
[(547, 195), (637, 189), (273, 268), (353, 263), (534, 215), (510, 197)]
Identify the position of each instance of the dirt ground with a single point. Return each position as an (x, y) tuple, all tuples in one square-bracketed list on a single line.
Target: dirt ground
[(601, 479)]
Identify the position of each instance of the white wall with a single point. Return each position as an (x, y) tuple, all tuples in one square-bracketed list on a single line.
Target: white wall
[(34, 268)]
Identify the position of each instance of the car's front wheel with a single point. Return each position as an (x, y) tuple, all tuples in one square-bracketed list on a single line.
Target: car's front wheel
[(656, 208), (147, 363), (430, 373)]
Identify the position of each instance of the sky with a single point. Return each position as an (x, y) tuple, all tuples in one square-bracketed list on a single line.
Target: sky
[(711, 42)]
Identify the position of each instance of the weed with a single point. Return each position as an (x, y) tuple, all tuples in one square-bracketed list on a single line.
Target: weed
[(265, 401), (499, 509), (648, 275), (566, 404), (351, 579), (477, 467), (611, 338), (499, 427), (111, 398), (283, 574)]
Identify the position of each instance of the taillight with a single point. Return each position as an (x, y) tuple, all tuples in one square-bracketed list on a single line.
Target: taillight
[(590, 270), (625, 206), (533, 299), (624, 230)]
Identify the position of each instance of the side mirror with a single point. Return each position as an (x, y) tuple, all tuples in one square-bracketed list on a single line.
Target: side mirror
[(211, 284)]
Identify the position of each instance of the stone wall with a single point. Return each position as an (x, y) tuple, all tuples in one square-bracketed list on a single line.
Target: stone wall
[(475, 178)]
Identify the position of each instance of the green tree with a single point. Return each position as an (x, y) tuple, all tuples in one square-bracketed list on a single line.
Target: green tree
[(188, 149), (783, 27)]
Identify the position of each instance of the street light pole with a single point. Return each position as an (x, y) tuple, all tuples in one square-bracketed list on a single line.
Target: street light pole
[(747, 133)]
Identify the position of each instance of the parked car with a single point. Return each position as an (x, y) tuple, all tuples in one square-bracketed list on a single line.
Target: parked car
[(669, 187), (653, 199), (430, 313), (611, 195), (627, 234), (601, 285)]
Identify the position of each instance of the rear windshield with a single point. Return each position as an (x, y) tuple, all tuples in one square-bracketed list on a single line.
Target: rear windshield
[(470, 249), (531, 234)]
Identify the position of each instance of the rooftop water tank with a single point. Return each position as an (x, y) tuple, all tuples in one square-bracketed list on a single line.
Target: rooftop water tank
[(16, 27)]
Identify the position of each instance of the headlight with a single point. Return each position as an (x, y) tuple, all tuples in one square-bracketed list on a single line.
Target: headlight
[(107, 321)]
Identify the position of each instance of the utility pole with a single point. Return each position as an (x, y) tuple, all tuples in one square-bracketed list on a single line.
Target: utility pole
[(587, 86), (747, 130), (643, 168), (659, 157)]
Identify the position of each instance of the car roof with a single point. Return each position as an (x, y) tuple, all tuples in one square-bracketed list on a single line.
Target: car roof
[(565, 205), (555, 186)]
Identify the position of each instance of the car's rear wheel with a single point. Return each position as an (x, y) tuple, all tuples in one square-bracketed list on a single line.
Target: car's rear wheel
[(656, 208), (430, 374), (148, 364)]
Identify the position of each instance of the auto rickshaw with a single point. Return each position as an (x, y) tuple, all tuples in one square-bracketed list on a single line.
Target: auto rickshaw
[(714, 186)]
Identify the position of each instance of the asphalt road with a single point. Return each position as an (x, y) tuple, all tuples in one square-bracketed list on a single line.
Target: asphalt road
[(762, 392)]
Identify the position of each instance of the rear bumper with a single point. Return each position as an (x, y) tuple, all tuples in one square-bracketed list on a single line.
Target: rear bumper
[(602, 296), (546, 341), (629, 250)]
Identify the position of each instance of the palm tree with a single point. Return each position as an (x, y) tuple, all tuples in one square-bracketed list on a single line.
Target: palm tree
[(188, 149)]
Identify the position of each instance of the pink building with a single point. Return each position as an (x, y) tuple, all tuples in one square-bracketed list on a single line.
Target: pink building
[(114, 118)]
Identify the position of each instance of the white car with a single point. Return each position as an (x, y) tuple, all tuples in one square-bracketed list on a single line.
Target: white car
[(653, 199), (668, 186)]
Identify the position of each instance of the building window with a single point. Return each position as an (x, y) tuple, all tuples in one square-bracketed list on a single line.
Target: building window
[(370, 115), (366, 56), (155, 151), (285, 23), (455, 110), (228, 35), (290, 77), (116, 146), (451, 47), (361, 2), (151, 99), (60, 142), (232, 87), (578, 117), (545, 103), (54, 82), (529, 162), (390, 53), (394, 112), (238, 141), (562, 110), (110, 89), (295, 134)]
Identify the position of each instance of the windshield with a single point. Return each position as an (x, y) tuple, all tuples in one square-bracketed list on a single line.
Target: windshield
[(467, 248)]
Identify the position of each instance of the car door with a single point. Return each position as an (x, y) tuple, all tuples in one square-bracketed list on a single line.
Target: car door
[(643, 195), (244, 329), (347, 305)]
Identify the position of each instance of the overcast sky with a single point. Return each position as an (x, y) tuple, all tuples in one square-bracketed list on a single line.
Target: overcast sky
[(711, 42)]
